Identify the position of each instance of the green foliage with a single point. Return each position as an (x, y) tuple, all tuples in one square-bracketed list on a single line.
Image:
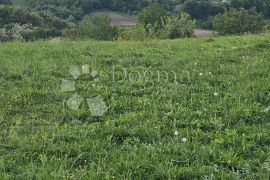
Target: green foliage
[(77, 9), (266, 28), (15, 32), (206, 23), (169, 27), (12, 15), (54, 22), (26, 32), (95, 27), (158, 25), (261, 6), (134, 33), (174, 27), (201, 9), (152, 15), (40, 33), (240, 21)]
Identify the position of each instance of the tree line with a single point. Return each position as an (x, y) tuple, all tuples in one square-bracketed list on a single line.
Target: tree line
[(163, 19)]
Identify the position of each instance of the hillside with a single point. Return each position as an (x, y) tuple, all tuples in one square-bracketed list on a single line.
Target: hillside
[(191, 108)]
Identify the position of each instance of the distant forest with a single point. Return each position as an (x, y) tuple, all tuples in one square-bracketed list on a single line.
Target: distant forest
[(34, 19), (75, 10)]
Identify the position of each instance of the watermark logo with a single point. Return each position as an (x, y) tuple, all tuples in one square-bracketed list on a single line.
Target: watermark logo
[(96, 105), (162, 80)]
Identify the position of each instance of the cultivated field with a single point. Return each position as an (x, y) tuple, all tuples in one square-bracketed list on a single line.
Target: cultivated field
[(190, 109)]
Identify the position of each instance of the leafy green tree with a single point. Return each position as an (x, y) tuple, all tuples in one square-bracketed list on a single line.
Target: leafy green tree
[(152, 15), (201, 9), (236, 4), (94, 27), (261, 6), (176, 27), (241, 21), (10, 14)]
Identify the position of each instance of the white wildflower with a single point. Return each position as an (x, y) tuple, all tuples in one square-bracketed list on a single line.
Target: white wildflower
[(184, 139)]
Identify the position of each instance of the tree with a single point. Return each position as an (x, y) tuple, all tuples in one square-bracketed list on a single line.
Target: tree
[(95, 27), (241, 21), (236, 4), (176, 27), (201, 9), (152, 15), (261, 6)]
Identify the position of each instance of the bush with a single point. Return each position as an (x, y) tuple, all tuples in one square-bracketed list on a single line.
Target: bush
[(206, 23), (173, 27), (152, 15), (26, 32), (15, 32), (266, 28), (137, 33), (240, 21), (40, 33), (95, 27)]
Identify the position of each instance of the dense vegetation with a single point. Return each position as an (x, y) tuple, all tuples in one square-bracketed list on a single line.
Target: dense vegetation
[(238, 22), (76, 9), (34, 19), (212, 121), (94, 27)]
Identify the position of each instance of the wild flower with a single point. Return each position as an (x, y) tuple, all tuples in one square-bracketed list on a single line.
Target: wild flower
[(184, 139)]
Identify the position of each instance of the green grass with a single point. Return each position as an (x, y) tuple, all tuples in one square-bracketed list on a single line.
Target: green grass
[(220, 103)]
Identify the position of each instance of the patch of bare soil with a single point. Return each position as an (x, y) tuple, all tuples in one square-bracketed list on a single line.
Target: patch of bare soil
[(203, 33)]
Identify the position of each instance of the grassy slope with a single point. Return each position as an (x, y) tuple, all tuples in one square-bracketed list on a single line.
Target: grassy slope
[(228, 135)]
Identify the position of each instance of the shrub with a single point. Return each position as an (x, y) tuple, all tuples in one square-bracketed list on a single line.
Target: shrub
[(152, 15), (95, 27), (15, 32), (236, 21), (266, 27), (40, 33), (175, 27), (206, 23), (137, 33)]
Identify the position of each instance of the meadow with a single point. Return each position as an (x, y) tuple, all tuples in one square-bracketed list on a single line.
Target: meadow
[(194, 108)]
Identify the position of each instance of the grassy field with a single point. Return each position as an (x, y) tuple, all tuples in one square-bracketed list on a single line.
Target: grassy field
[(183, 109)]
